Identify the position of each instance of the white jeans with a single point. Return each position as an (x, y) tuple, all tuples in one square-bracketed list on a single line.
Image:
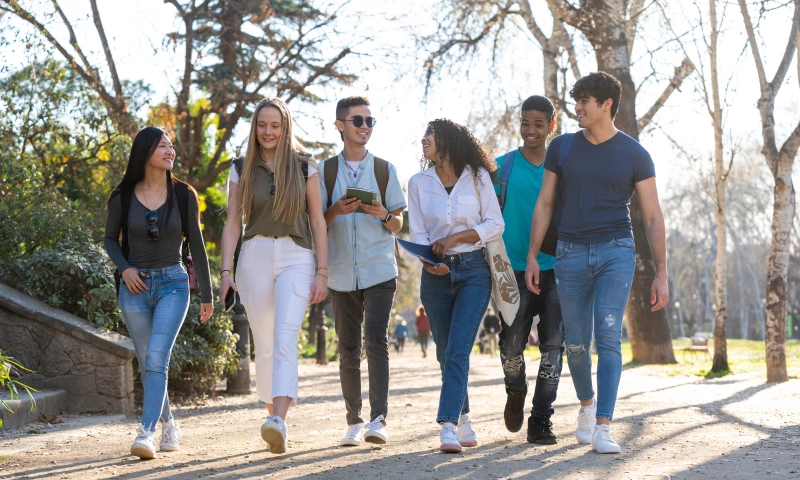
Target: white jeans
[(274, 277)]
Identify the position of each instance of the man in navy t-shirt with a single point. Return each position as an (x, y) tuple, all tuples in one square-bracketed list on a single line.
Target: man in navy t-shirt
[(595, 257)]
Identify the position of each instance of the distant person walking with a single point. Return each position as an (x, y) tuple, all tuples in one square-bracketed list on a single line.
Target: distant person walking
[(154, 214), (274, 192), (597, 170), (423, 330), (400, 334), (491, 326), (453, 208)]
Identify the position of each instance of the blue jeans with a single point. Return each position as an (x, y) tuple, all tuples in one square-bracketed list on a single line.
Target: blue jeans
[(455, 304), (594, 281), (153, 319), (514, 340)]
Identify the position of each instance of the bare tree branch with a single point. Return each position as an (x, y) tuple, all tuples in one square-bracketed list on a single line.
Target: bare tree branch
[(109, 58), (681, 72)]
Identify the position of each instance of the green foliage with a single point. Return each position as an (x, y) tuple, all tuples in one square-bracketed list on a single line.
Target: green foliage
[(60, 156), (8, 368), (75, 276)]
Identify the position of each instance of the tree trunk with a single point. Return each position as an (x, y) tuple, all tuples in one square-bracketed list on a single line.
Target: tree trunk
[(650, 336), (775, 323), (720, 363)]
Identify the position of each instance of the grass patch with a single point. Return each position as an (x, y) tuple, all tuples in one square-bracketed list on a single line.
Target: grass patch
[(744, 356)]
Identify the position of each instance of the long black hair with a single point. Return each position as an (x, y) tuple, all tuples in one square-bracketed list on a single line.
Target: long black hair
[(144, 145), (457, 143)]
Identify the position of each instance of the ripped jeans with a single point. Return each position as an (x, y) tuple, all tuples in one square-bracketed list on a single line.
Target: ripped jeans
[(594, 281), (514, 339)]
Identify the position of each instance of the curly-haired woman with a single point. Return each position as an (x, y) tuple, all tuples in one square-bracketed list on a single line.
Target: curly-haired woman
[(458, 216)]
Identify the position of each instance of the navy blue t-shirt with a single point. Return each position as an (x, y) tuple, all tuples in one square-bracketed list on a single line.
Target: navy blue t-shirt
[(597, 183)]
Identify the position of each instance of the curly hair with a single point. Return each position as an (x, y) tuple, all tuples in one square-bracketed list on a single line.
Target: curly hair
[(457, 143), (601, 86)]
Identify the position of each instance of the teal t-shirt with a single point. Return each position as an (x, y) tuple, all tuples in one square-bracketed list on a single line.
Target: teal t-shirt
[(521, 194)]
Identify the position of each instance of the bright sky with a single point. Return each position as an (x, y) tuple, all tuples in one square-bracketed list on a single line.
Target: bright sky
[(137, 29)]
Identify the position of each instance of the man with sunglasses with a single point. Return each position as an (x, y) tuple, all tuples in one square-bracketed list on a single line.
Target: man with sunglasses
[(363, 268)]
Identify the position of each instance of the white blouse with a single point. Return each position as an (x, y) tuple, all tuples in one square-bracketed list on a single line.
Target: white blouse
[(433, 214)]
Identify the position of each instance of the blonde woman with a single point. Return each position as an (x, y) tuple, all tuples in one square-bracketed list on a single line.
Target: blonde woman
[(277, 199)]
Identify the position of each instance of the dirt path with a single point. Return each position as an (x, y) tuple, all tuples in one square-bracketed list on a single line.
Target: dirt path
[(678, 427)]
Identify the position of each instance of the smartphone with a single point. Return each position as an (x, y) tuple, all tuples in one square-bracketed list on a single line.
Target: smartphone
[(230, 300)]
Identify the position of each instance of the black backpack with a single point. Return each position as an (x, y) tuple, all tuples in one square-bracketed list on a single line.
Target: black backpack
[(182, 193)]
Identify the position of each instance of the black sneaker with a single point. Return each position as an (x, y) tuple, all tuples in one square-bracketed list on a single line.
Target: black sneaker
[(514, 414), (540, 430)]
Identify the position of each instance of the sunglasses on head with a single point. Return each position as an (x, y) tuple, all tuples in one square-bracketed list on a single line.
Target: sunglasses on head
[(152, 218), (358, 120)]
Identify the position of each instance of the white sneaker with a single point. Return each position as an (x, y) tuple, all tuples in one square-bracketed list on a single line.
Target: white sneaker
[(466, 435), (602, 441), (275, 433), (376, 431), (586, 421), (144, 446), (449, 439), (170, 435), (352, 437)]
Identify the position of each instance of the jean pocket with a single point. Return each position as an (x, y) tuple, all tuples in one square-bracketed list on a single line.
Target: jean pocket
[(562, 248), (476, 263), (245, 299), (623, 242), (303, 290)]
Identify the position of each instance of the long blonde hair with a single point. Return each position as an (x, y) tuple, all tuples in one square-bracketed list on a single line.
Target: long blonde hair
[(290, 187)]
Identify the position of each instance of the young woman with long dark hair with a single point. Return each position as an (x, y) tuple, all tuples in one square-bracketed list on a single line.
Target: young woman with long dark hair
[(458, 216), (154, 289), (277, 199)]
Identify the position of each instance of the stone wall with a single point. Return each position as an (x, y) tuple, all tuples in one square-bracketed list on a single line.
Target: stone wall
[(94, 367)]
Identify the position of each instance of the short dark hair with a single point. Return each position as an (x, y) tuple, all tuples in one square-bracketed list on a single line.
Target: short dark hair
[(343, 106), (539, 103), (601, 86)]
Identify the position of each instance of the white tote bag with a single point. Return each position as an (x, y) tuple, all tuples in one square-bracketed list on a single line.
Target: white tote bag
[(504, 284)]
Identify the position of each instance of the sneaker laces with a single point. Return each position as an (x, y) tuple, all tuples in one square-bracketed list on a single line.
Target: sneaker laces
[(584, 419), (449, 432), (375, 424), (605, 435), (169, 433), (142, 434)]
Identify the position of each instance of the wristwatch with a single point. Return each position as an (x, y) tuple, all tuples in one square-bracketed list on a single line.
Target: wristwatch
[(388, 218)]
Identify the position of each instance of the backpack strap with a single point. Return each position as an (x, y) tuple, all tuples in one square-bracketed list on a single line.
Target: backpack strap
[(125, 201), (508, 164), (238, 163), (381, 167), (563, 149), (182, 194), (331, 170)]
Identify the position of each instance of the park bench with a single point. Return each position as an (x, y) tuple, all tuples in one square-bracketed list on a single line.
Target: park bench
[(698, 343)]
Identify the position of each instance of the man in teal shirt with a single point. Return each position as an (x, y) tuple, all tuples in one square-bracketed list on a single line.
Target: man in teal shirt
[(523, 182)]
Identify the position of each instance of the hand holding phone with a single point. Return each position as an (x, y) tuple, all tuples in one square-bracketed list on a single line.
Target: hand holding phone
[(230, 300)]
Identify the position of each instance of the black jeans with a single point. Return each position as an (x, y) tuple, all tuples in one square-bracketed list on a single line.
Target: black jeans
[(350, 310), (514, 339)]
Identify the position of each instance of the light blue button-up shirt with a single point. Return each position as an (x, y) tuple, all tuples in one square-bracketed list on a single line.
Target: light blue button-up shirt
[(360, 248)]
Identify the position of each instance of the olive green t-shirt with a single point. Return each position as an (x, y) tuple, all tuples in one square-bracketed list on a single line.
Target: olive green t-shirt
[(262, 221)]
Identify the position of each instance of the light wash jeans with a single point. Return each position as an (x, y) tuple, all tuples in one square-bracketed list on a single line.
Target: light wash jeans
[(455, 304), (274, 278), (153, 319), (593, 282)]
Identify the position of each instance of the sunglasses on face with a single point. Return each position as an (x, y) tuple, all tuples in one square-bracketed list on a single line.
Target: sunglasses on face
[(152, 218), (358, 120)]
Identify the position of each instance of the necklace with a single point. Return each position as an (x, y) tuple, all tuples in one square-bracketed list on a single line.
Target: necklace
[(147, 201)]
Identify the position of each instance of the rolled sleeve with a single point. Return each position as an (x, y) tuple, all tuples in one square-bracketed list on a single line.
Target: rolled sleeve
[(416, 224), (394, 192)]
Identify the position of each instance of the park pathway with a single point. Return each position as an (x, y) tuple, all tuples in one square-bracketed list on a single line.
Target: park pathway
[(669, 426)]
